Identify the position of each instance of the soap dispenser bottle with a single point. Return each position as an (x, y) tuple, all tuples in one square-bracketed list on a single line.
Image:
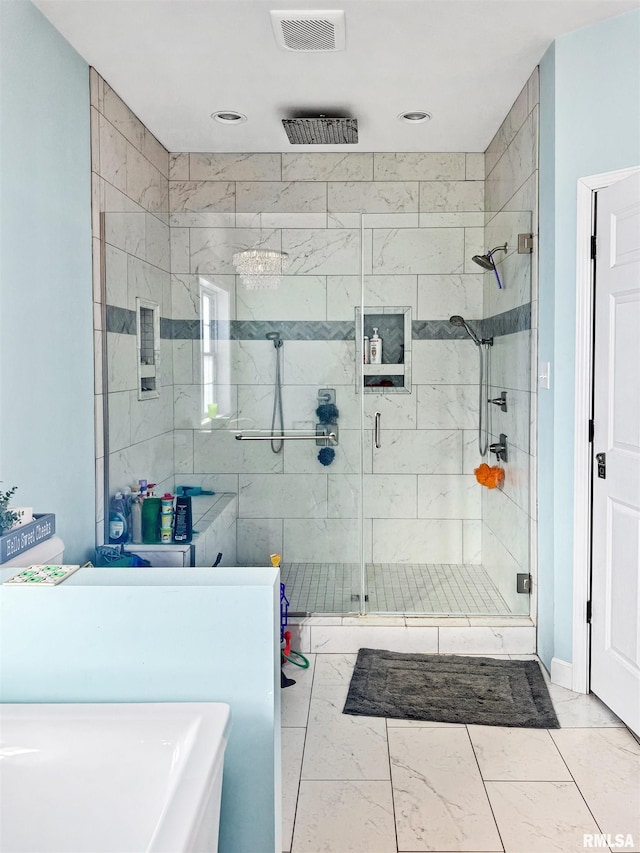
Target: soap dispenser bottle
[(375, 347), (117, 520)]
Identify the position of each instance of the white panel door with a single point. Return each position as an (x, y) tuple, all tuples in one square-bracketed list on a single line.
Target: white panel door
[(615, 592)]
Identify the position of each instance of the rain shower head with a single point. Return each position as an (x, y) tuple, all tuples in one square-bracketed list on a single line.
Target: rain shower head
[(321, 130), (487, 262), (457, 320)]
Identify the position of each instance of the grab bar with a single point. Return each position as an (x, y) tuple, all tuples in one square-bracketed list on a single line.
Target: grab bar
[(377, 439), (330, 436)]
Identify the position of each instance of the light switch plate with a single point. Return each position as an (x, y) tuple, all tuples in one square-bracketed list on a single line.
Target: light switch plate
[(544, 376)]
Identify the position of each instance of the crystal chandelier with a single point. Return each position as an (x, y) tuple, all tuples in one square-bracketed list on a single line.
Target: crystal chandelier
[(260, 269)]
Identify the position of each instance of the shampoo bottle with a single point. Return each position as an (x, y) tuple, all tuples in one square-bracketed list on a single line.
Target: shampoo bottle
[(182, 524), (375, 347)]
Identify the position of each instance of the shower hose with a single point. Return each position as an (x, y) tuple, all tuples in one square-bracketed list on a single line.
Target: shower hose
[(483, 398)]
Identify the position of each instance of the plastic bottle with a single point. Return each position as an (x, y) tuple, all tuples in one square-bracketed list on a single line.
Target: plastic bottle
[(182, 525), (128, 501), (117, 520), (136, 521), (375, 347), (151, 520)]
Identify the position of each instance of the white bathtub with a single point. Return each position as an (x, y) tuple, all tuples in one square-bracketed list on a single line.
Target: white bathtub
[(120, 778)]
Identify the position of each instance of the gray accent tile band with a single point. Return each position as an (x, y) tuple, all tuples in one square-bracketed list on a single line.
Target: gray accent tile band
[(516, 320), (294, 330), (121, 320)]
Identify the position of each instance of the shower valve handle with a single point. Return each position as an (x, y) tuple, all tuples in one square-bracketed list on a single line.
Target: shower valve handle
[(500, 401)]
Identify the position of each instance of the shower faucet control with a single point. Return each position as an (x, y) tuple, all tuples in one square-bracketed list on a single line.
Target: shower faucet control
[(500, 448), (500, 401)]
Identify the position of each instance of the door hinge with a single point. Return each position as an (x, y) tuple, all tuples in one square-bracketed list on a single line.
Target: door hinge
[(591, 430), (589, 612), (523, 583), (594, 246)]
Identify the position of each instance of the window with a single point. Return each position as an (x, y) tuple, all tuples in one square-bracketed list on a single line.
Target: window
[(215, 349), (148, 342)]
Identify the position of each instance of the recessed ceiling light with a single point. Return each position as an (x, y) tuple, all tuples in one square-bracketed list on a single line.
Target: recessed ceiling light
[(415, 116), (229, 117)]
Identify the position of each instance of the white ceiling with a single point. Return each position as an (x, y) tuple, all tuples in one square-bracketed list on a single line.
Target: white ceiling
[(176, 61)]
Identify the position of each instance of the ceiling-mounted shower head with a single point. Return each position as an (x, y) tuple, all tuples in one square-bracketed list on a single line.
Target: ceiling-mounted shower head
[(487, 262), (457, 320), (321, 130)]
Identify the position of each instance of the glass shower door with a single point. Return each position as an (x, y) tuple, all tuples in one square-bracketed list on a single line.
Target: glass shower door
[(280, 414)]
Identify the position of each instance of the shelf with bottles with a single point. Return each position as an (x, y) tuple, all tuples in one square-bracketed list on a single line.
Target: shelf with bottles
[(393, 324)]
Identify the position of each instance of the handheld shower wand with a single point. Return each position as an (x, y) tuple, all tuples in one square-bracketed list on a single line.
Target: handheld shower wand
[(457, 320), (483, 345)]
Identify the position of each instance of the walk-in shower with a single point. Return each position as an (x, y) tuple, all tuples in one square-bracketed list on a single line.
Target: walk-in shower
[(391, 521)]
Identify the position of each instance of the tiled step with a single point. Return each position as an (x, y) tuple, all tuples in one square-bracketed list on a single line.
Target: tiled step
[(429, 635)]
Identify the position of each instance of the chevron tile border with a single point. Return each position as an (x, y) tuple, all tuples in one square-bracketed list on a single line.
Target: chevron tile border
[(123, 321)]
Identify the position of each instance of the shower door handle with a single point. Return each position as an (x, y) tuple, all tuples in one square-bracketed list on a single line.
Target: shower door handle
[(376, 430)]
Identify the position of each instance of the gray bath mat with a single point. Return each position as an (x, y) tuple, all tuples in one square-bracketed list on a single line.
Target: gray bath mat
[(450, 689)]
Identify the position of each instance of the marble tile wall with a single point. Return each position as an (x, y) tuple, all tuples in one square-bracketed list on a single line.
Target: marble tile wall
[(130, 187), (174, 222), (423, 216), (509, 513)]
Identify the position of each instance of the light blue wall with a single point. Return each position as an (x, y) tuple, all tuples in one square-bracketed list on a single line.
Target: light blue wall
[(163, 635), (46, 321), (546, 349), (590, 123)]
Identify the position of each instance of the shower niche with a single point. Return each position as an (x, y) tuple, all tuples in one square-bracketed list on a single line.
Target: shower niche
[(393, 375)]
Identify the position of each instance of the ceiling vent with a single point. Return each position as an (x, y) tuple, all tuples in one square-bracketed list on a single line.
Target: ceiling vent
[(310, 31)]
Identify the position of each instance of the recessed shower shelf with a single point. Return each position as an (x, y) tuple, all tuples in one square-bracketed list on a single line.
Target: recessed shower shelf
[(394, 323), (383, 369)]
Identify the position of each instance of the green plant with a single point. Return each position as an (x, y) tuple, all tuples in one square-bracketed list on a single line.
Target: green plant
[(7, 516)]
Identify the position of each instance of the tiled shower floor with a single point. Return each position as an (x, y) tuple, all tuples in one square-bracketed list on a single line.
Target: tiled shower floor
[(423, 588)]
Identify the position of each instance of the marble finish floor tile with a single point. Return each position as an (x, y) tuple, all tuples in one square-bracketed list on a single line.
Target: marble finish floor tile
[(439, 796), (541, 817), (580, 710), (335, 669), (292, 749), (605, 764), (342, 746), (517, 754), (344, 817), (450, 787), (295, 699)]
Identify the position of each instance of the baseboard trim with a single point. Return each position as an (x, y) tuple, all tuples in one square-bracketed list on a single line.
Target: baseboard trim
[(562, 673)]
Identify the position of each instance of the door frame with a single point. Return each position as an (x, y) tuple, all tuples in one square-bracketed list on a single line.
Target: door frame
[(586, 187)]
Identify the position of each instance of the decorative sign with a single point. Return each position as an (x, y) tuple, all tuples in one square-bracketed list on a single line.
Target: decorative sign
[(26, 536)]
